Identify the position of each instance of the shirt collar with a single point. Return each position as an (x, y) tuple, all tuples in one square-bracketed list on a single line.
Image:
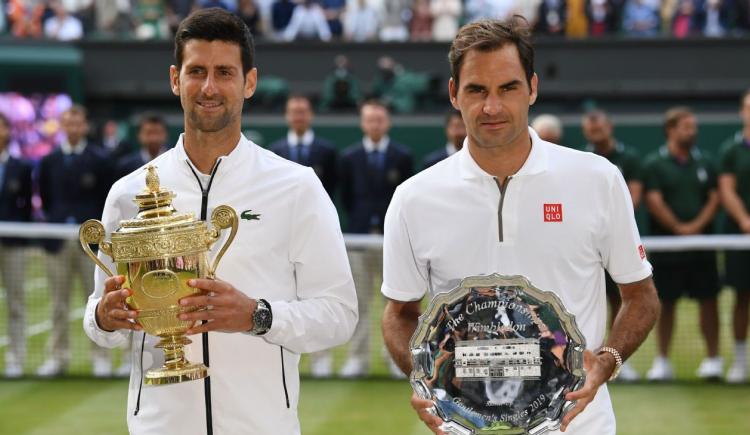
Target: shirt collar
[(535, 163), (68, 149), (371, 146), (294, 140), (244, 152), (450, 149)]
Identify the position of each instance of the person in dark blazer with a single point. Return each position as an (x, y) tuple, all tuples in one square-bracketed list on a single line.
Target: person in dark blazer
[(455, 133), (303, 146), (370, 171), (153, 135), (73, 182), (15, 206)]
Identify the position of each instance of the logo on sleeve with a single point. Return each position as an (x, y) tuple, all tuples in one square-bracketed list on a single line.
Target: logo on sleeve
[(641, 252), (553, 213)]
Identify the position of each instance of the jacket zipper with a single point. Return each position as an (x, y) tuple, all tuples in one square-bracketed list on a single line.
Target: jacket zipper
[(140, 384), (206, 359), (283, 377), (502, 189)]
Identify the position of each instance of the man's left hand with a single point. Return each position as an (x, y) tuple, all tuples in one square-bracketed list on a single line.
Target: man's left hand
[(223, 307), (598, 369)]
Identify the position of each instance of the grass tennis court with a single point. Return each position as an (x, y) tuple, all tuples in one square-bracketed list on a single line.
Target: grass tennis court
[(82, 406)]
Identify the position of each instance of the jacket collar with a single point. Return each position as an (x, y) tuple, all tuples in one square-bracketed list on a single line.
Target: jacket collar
[(536, 162), (243, 153)]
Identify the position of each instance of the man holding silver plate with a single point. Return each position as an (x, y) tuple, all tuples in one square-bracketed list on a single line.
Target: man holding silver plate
[(511, 235)]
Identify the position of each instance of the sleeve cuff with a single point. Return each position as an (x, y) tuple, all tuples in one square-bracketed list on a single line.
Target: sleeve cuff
[(628, 278), (279, 324), (398, 295)]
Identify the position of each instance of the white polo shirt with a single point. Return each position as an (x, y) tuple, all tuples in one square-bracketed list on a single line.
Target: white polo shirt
[(565, 216)]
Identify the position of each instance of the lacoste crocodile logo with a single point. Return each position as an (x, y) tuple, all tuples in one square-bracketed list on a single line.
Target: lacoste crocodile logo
[(249, 215)]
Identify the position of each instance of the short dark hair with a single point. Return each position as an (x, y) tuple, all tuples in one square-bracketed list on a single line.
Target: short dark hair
[(596, 115), (674, 115), (375, 103), (76, 109), (452, 113), (151, 118), (298, 97), (490, 35), (215, 24)]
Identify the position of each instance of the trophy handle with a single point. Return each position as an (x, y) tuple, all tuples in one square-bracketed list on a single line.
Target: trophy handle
[(92, 231), (223, 217)]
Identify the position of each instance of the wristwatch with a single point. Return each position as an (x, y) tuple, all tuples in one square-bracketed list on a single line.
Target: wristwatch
[(262, 317), (618, 360)]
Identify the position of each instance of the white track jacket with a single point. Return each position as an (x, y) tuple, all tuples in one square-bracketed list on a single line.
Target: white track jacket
[(293, 256)]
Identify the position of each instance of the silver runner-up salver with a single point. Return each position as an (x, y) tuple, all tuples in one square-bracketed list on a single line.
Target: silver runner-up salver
[(497, 356)]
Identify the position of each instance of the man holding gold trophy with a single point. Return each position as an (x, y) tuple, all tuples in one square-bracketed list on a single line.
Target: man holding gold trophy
[(540, 215), (282, 288)]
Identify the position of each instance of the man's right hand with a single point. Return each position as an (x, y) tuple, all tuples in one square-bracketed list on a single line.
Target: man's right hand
[(431, 420), (112, 312)]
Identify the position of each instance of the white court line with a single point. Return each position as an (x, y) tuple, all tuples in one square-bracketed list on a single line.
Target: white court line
[(46, 326)]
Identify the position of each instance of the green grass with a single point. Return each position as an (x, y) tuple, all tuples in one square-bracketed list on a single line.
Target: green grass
[(83, 406)]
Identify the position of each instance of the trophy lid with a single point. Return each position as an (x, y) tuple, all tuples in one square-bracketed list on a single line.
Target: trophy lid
[(158, 230)]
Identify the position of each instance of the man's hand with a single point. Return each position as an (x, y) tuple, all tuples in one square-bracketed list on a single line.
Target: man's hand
[(598, 370), (223, 307), (112, 312), (431, 420)]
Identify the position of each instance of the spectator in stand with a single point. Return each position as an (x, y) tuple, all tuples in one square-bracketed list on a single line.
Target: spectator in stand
[(62, 26), (712, 17), (681, 196), (604, 16), (176, 11), (552, 17), (25, 18), (361, 22), (395, 15), (640, 18), (497, 9), (341, 89), (598, 131), (15, 206), (420, 26), (281, 15), (734, 188), (113, 17), (683, 21), (150, 18), (455, 133), (334, 11), (576, 23), (230, 5), (741, 15), (548, 127), (445, 18), (84, 11), (249, 13), (308, 23), (370, 170)]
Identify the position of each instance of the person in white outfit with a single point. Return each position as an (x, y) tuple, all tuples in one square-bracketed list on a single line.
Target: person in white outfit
[(284, 286), (563, 217)]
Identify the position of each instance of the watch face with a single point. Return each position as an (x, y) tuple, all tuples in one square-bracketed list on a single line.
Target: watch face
[(262, 319)]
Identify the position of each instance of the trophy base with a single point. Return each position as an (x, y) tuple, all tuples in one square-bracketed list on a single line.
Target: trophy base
[(165, 376)]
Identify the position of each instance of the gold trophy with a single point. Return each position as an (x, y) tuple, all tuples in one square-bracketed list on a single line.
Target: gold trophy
[(158, 252)]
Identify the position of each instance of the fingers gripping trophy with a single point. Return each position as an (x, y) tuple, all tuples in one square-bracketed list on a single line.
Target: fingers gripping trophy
[(158, 251)]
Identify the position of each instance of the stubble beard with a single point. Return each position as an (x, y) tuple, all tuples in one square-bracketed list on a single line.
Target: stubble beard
[(210, 126)]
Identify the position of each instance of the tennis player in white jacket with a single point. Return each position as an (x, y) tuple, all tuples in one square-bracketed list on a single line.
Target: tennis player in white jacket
[(288, 259)]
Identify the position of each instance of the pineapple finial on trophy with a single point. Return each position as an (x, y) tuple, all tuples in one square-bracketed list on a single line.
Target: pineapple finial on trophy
[(152, 179)]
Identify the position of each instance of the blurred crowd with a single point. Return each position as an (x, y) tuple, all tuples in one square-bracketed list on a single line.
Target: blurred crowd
[(55, 168), (375, 20)]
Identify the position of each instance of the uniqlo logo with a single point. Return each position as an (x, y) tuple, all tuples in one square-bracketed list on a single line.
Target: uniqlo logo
[(641, 252), (553, 213)]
